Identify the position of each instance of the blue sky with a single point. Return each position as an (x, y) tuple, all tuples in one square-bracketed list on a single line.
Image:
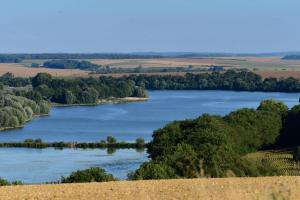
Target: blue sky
[(36, 26)]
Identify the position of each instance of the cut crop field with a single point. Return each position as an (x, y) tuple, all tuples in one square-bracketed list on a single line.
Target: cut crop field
[(264, 66), (21, 71), (269, 188), (259, 63)]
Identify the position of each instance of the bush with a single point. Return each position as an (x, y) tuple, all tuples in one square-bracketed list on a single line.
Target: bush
[(4, 182), (151, 170), (140, 142), (93, 174)]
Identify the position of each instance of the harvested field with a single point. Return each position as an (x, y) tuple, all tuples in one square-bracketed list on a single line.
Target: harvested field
[(22, 71), (260, 63), (227, 188), (279, 74)]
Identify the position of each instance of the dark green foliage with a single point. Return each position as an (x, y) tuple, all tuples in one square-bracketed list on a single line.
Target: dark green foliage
[(4, 182), (214, 146), (71, 64), (273, 106), (151, 170), (9, 80), (230, 80), (254, 129), (80, 90), (291, 132), (41, 79), (93, 174)]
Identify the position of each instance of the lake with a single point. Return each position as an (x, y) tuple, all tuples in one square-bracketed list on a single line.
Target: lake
[(129, 121), (126, 122), (48, 165)]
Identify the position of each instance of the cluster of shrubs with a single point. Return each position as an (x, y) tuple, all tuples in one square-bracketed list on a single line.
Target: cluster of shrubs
[(16, 110), (215, 146), (4, 182), (71, 64), (93, 174)]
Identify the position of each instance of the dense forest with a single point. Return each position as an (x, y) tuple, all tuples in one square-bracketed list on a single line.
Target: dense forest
[(230, 80), (215, 146), (16, 110), (71, 64), (16, 58), (73, 90), (291, 57)]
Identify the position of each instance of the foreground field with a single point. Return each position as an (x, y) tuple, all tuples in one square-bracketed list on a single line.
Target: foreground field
[(273, 188)]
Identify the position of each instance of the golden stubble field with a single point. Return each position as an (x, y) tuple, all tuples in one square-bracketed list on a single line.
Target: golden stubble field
[(267, 188), (262, 63), (21, 71)]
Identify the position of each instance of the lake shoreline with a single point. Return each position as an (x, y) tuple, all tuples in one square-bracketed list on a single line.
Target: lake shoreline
[(106, 101), (22, 126)]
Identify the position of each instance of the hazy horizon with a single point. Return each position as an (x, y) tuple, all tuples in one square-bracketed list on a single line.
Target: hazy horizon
[(102, 26)]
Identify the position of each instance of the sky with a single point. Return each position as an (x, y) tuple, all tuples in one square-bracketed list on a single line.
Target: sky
[(97, 26)]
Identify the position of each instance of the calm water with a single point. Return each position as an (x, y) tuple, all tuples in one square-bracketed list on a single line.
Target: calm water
[(124, 121), (132, 120), (45, 165)]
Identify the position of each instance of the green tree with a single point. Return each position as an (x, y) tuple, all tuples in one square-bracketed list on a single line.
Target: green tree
[(93, 174), (111, 140)]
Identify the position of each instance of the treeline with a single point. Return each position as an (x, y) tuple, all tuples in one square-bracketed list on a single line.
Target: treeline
[(113, 87), (110, 142), (291, 57), (215, 146), (230, 80), (16, 58), (16, 110), (9, 79), (80, 90), (71, 64), (9, 59)]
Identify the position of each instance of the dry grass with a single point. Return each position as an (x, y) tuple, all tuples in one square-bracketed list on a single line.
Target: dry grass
[(228, 188), (22, 71)]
